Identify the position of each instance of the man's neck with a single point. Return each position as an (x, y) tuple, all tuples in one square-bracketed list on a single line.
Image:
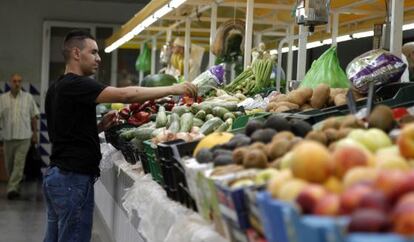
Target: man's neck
[(14, 93), (74, 70)]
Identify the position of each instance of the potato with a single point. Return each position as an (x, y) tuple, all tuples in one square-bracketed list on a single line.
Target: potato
[(350, 121), (287, 104), (281, 109), (306, 92), (340, 99), (271, 105), (279, 98), (297, 97), (320, 96), (306, 107)]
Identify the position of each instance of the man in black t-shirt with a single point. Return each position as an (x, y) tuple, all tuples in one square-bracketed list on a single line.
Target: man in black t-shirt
[(71, 117)]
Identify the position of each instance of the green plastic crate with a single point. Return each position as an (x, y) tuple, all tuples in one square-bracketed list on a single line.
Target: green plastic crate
[(154, 165)]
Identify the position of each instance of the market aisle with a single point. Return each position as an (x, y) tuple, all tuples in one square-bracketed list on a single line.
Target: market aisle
[(25, 219)]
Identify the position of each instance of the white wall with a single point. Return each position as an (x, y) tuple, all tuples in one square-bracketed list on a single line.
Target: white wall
[(21, 29)]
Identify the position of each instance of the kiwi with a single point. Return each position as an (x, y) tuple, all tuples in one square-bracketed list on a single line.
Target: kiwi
[(238, 155), (277, 123), (204, 156), (300, 128), (408, 118), (332, 135), (350, 121), (223, 159), (318, 136), (255, 158), (278, 148), (252, 126), (263, 135), (258, 145), (283, 135), (381, 118)]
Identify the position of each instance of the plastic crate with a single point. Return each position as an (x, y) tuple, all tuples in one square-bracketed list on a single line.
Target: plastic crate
[(253, 236), (253, 208), (128, 151), (144, 161), (234, 232), (112, 134), (150, 150)]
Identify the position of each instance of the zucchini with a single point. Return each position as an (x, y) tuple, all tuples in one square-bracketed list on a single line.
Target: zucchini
[(197, 122), (161, 120), (201, 115), (175, 123), (223, 127), (209, 116), (231, 106), (186, 122), (140, 133), (207, 107), (211, 125), (195, 108), (180, 110), (228, 115), (220, 112)]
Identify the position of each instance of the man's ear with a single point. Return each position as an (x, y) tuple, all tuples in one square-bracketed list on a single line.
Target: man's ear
[(76, 52)]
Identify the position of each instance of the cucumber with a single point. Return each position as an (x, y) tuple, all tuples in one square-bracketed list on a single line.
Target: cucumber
[(220, 112), (230, 122), (197, 122), (186, 122), (141, 133), (201, 115), (211, 125), (195, 108), (223, 127), (208, 108), (161, 120), (228, 115), (168, 121), (231, 106), (209, 116), (175, 123), (180, 110)]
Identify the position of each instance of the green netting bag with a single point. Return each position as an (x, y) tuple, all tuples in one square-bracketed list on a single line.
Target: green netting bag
[(143, 62), (326, 69)]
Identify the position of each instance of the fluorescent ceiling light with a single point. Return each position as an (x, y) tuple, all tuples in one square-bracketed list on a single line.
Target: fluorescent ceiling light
[(145, 24), (408, 26), (363, 34)]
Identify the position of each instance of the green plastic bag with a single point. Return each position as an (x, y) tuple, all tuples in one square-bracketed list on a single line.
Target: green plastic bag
[(326, 69), (143, 62)]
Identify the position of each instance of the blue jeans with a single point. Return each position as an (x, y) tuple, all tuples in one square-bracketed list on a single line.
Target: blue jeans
[(70, 202)]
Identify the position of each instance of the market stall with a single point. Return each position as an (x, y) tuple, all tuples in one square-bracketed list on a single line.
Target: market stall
[(262, 161)]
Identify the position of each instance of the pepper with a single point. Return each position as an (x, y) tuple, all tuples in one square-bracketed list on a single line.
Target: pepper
[(144, 105), (124, 113), (134, 121), (169, 106), (134, 107), (142, 116)]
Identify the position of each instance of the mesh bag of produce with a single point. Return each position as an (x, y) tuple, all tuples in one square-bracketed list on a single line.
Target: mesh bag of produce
[(143, 62), (377, 66), (209, 79), (326, 70)]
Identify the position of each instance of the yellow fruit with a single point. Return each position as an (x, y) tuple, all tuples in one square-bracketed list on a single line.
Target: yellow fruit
[(359, 174), (291, 189), (117, 106), (334, 185), (213, 139), (275, 183)]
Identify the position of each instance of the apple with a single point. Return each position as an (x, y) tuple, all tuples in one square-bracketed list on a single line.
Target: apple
[(309, 196), (405, 141), (265, 175), (388, 161), (403, 217), (406, 198), (333, 184), (311, 161), (275, 183), (369, 220), (329, 205), (358, 175), (393, 183), (347, 157), (374, 200), (352, 196), (373, 139), (290, 190)]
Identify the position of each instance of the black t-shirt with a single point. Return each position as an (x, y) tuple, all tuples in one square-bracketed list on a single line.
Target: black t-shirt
[(71, 118)]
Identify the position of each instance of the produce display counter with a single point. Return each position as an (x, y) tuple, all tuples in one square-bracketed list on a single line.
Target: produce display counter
[(136, 208)]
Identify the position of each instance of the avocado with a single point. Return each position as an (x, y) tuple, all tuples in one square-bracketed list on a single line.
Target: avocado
[(223, 160), (300, 128), (218, 152), (237, 141), (277, 123), (204, 156), (252, 126), (263, 135)]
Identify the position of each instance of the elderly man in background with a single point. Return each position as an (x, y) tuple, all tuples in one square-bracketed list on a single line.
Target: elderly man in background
[(408, 58), (18, 118)]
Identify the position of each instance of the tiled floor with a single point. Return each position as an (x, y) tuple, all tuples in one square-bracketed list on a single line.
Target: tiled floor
[(24, 220)]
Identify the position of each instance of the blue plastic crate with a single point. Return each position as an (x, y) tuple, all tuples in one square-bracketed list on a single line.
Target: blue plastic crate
[(374, 237)]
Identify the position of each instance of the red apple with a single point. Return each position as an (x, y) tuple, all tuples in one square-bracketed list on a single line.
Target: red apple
[(374, 200), (406, 141), (329, 205), (309, 196), (347, 157), (393, 183), (352, 196), (403, 217), (368, 220)]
